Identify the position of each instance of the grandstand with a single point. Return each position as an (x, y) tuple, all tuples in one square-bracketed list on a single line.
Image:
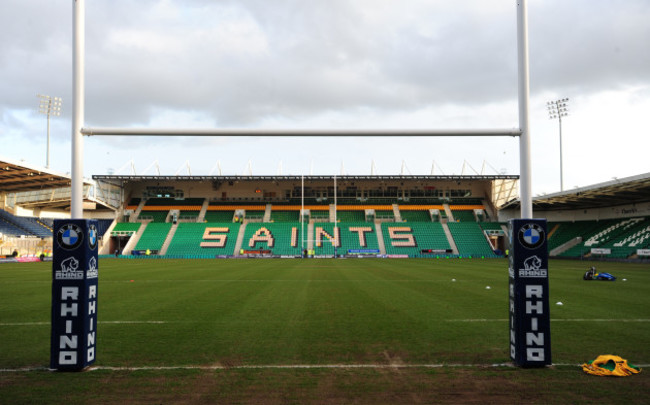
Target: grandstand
[(391, 216)]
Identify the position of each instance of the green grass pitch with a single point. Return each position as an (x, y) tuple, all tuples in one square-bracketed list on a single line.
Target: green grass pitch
[(166, 313)]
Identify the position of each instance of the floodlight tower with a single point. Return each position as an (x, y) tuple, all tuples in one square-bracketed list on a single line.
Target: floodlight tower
[(50, 106), (558, 109)]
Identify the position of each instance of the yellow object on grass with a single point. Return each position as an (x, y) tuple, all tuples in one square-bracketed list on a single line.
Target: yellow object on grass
[(610, 365)]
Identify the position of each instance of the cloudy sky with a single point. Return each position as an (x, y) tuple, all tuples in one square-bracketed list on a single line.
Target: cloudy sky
[(332, 64)]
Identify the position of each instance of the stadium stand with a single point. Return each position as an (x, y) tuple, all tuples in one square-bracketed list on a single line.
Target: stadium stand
[(470, 240), (219, 216), (153, 236), (492, 226), (9, 229), (463, 216), (320, 213), (352, 236), (125, 228), (411, 238), (157, 209), (563, 232), (385, 214), (203, 240), (103, 225), (154, 216), (17, 226), (415, 216), (626, 237), (324, 239), (254, 214), (598, 233), (422, 205), (358, 236), (281, 238), (350, 216), (285, 216)]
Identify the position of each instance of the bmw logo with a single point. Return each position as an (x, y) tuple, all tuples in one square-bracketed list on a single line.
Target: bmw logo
[(70, 236), (531, 236), (92, 237)]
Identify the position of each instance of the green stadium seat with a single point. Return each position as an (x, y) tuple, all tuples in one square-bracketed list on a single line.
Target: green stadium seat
[(470, 239), (204, 240), (154, 236), (281, 238), (411, 238)]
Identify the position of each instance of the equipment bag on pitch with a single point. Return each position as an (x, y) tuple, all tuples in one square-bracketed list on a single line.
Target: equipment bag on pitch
[(610, 365)]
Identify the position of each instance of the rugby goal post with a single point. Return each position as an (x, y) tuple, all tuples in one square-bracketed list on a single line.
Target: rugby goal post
[(528, 269), (79, 130)]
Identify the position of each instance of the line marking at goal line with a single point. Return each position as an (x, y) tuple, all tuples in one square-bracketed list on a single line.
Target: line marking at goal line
[(552, 320), (203, 322), (292, 367)]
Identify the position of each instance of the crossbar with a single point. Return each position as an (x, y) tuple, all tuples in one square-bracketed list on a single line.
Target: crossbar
[(296, 132)]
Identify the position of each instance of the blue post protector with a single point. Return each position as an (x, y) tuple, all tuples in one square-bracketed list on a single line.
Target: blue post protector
[(74, 294), (530, 326)]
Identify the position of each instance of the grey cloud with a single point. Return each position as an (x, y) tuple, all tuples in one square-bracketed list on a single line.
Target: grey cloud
[(330, 56)]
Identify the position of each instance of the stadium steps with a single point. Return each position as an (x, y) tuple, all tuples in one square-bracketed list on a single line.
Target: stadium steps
[(552, 231), (565, 246), (450, 239), (204, 209), (267, 213), (138, 210), (105, 247), (153, 236), (505, 229), (168, 240), (489, 211), (240, 238), (471, 239), (310, 239), (448, 213), (396, 213), (44, 224), (380, 238), (134, 239)]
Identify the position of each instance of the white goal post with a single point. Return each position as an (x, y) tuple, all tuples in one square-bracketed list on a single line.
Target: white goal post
[(78, 129)]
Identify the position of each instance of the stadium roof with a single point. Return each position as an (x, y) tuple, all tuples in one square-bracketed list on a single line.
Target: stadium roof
[(32, 185), (110, 178), (625, 191), (17, 177)]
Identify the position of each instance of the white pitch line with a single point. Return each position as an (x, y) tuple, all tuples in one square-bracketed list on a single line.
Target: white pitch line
[(299, 366), (552, 320), (100, 322), (479, 320), (134, 322), (292, 367)]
